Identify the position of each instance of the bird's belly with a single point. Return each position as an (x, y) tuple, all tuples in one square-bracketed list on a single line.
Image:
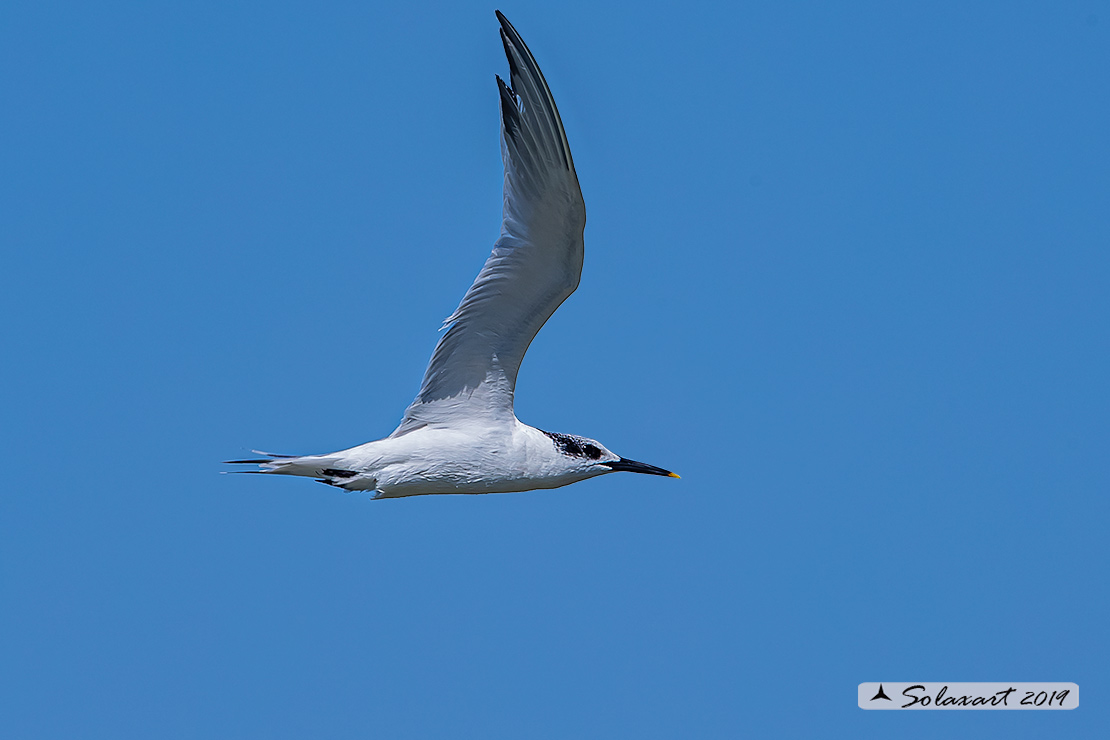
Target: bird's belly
[(425, 483)]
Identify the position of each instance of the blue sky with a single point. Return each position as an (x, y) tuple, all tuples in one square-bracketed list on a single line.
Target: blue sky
[(846, 272)]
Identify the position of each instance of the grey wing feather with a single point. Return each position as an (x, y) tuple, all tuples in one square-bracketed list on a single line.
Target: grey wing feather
[(535, 265)]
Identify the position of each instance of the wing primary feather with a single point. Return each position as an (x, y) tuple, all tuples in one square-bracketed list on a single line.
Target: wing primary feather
[(523, 66)]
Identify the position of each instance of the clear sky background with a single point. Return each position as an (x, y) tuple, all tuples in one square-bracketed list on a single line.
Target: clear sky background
[(847, 272)]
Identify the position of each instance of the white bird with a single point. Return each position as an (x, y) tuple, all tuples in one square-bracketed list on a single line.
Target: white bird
[(461, 435)]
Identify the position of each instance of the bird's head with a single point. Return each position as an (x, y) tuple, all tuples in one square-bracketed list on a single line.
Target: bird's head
[(592, 457)]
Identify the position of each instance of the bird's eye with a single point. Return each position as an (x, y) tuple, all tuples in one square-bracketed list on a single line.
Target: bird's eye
[(592, 452)]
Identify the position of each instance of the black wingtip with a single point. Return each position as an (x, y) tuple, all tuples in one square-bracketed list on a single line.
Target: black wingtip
[(507, 28), (514, 69), (516, 48)]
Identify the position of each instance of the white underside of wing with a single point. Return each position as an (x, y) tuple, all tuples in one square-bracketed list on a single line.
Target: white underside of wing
[(535, 264), (488, 403)]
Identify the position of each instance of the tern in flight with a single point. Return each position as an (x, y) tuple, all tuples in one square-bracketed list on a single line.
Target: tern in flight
[(460, 435)]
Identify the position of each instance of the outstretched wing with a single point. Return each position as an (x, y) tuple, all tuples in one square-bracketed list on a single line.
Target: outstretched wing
[(535, 264)]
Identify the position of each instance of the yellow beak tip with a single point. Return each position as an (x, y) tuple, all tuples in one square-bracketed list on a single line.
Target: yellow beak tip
[(674, 475)]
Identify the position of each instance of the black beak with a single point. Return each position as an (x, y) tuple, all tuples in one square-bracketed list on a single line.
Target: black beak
[(631, 466)]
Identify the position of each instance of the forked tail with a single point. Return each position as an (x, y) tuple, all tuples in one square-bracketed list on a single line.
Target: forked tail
[(321, 467)]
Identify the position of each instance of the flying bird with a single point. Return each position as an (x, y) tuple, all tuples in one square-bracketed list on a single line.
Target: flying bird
[(461, 435)]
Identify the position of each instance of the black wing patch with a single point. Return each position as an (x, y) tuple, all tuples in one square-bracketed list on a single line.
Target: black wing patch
[(334, 473)]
